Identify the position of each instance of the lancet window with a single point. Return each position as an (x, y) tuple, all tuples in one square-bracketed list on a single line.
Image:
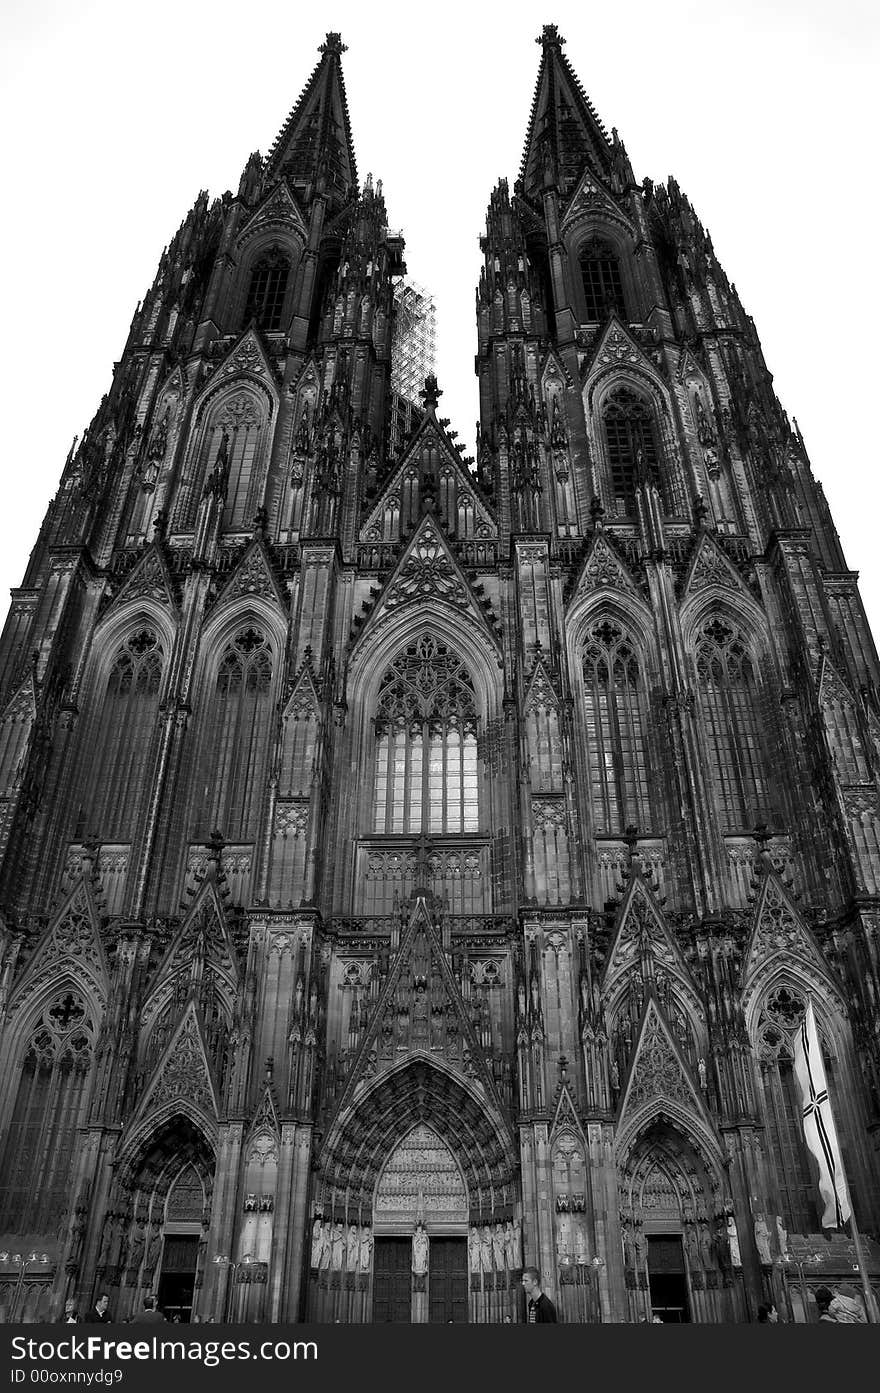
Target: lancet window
[(268, 286), (236, 735), (615, 701), (49, 1106), (228, 463), (600, 273), (426, 744), (728, 697), (632, 446), (118, 754)]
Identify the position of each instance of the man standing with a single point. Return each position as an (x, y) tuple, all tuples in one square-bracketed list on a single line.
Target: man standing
[(540, 1307), (100, 1315), (149, 1315)]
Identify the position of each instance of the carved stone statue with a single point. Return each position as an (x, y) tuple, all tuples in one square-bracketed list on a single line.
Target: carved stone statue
[(498, 1247), (762, 1240), (337, 1248), (733, 1242), (474, 1248), (512, 1246), (420, 1249), (486, 1248), (352, 1255), (366, 1248), (319, 1243)]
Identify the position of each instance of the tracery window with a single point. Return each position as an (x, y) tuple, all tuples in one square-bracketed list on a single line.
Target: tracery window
[(600, 273), (49, 1107), (615, 700), (235, 737), (426, 743), (728, 697), (268, 286), (778, 1023), (228, 461), (118, 752), (631, 444)]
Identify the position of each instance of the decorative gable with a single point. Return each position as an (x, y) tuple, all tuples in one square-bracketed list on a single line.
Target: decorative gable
[(150, 579), (428, 570), (22, 705), (565, 1119), (420, 1011), (832, 687), (641, 930), (590, 200), (203, 942), (431, 467), (659, 1075), (618, 348), (183, 1073), (72, 941), (602, 568), (779, 932), (247, 357), (710, 567), (253, 576), (279, 209), (540, 690)]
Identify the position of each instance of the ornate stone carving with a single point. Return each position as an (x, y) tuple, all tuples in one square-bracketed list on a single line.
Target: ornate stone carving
[(427, 573)]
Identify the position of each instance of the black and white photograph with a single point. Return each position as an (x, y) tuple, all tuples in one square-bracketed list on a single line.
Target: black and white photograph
[(439, 709)]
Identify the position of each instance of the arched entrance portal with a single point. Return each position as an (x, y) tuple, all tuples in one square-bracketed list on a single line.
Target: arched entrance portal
[(675, 1231), (415, 1213), (157, 1223), (420, 1228)]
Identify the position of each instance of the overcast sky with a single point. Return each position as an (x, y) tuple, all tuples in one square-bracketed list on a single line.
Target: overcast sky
[(114, 115)]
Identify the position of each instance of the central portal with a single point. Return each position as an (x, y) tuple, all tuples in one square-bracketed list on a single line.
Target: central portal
[(392, 1281)]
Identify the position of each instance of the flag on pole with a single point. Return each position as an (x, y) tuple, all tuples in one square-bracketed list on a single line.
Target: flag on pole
[(819, 1129)]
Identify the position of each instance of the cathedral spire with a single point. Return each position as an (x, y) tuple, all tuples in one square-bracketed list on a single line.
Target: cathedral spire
[(565, 135), (314, 146)]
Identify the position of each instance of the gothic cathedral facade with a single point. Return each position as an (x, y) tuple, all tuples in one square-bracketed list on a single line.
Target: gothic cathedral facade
[(416, 867)]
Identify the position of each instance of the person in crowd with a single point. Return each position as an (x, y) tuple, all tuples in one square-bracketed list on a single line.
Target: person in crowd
[(539, 1305)]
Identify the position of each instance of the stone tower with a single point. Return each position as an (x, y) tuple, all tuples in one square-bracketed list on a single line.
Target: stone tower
[(416, 867)]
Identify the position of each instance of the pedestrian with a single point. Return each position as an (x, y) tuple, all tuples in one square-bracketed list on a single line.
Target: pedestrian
[(69, 1317), (99, 1313), (540, 1307), (824, 1297), (149, 1315), (847, 1308), (768, 1315)]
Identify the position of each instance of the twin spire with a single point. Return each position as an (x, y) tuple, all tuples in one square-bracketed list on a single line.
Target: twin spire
[(314, 148)]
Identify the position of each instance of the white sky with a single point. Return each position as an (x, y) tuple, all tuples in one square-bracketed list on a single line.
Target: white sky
[(114, 115)]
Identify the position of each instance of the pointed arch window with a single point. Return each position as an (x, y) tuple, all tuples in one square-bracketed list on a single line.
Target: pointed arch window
[(50, 1103), (267, 289), (236, 737), (426, 744), (631, 442), (118, 752), (615, 701), (600, 274), (729, 706), (229, 460)]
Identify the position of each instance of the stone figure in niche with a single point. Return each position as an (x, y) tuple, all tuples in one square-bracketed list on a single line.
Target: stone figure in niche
[(366, 1248), (486, 1249), (517, 1244), (692, 1245), (353, 1248), (762, 1240), (498, 1247), (733, 1242), (474, 1248), (420, 1249), (337, 1247)]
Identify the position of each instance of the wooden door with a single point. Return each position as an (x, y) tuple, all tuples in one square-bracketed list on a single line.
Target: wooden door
[(448, 1281), (392, 1281)]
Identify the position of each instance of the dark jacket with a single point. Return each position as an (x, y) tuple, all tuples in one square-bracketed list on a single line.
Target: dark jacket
[(148, 1318), (541, 1309), (95, 1317)]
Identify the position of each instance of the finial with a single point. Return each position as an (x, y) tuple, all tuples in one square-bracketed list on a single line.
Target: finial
[(550, 37), (333, 44), (431, 393)]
